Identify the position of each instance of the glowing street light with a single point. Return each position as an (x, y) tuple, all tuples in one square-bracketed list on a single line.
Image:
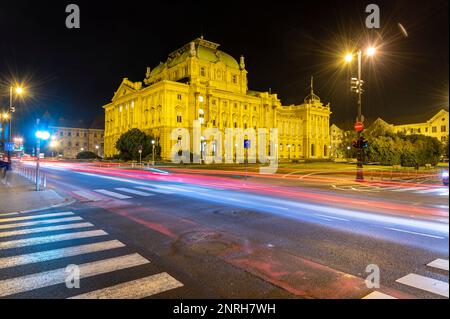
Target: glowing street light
[(371, 51), (348, 57), (153, 152), (42, 135), (19, 90), (356, 86)]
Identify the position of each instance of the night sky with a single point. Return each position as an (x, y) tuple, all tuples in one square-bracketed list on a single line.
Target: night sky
[(73, 72)]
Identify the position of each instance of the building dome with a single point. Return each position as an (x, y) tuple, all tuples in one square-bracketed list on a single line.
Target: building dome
[(204, 50)]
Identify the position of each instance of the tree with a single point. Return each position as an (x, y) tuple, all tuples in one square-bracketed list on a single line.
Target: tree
[(131, 141)]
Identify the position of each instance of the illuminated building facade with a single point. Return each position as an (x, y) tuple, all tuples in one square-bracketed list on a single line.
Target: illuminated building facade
[(69, 141), (201, 82)]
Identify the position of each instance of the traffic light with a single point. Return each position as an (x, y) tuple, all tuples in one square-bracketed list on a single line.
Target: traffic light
[(356, 85), (360, 143)]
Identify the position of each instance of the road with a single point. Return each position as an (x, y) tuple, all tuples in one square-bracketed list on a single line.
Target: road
[(196, 234)]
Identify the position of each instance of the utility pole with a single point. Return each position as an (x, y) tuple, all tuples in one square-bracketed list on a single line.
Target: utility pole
[(360, 156), (38, 152)]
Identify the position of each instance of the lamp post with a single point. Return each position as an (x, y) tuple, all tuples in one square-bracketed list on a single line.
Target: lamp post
[(356, 86), (96, 148), (153, 152), (18, 90), (40, 135)]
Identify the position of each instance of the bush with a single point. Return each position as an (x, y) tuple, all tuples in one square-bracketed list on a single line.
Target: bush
[(87, 155)]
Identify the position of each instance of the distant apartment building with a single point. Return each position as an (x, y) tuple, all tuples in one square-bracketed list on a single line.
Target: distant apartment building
[(436, 126), (68, 138)]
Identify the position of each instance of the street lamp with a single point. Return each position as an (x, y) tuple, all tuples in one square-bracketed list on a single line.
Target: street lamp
[(356, 86), (153, 152), (96, 148), (40, 135), (19, 91)]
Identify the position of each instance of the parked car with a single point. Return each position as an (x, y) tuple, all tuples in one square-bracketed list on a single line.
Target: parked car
[(444, 176)]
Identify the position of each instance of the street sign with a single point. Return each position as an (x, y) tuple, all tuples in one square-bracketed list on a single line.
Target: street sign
[(246, 143), (9, 146), (359, 126)]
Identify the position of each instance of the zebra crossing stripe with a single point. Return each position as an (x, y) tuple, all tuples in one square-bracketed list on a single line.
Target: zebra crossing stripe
[(38, 222), (154, 190), (44, 229), (378, 295), (7, 220), (439, 264), (112, 194), (87, 195), (50, 239), (135, 289), (425, 283), (58, 276), (7, 262), (133, 191)]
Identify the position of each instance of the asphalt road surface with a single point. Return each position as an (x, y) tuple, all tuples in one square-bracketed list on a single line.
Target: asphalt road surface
[(187, 234)]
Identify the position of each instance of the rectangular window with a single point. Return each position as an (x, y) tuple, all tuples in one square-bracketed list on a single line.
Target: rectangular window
[(61, 134), (419, 130), (69, 134), (179, 119), (245, 107), (234, 78), (443, 128), (179, 96), (202, 71), (214, 122), (434, 129)]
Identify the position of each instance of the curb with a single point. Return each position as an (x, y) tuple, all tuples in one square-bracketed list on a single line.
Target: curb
[(41, 208)]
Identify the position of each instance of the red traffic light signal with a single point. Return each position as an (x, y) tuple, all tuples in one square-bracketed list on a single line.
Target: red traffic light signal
[(359, 126)]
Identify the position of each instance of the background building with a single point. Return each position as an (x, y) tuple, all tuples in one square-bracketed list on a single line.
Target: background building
[(435, 126), (198, 81), (69, 137)]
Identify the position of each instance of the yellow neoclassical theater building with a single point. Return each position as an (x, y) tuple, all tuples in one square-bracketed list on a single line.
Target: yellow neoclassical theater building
[(200, 82)]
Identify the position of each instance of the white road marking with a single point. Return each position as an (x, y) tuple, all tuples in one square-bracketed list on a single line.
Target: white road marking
[(135, 289), (439, 264), (154, 190), (42, 221), (6, 220), (414, 233), (50, 239), (58, 276), (430, 191), (46, 255), (44, 229), (88, 196), (112, 194), (378, 295), (332, 217), (428, 284), (133, 191), (407, 189), (324, 218), (277, 207)]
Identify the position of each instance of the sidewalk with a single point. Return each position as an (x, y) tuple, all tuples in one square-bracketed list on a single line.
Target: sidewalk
[(17, 194)]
